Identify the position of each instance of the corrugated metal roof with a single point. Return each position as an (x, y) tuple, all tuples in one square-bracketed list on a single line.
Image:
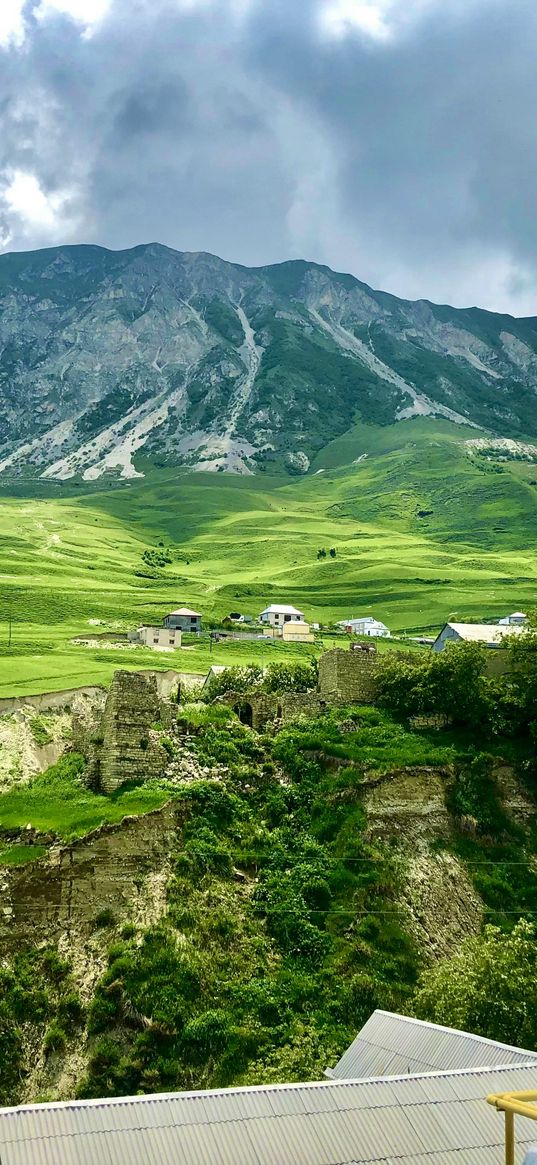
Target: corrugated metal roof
[(431, 1119), (485, 632), (396, 1045)]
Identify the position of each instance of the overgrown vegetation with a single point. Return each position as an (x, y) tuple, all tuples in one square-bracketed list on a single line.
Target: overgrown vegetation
[(38, 1003), (285, 923), (276, 678)]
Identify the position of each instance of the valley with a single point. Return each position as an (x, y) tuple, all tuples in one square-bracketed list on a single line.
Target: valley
[(425, 527)]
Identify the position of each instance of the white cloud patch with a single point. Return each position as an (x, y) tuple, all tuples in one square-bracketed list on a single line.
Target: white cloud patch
[(25, 200), (11, 23), (85, 12)]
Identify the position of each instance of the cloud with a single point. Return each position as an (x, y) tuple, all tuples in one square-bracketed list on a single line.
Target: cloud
[(11, 22), (394, 138)]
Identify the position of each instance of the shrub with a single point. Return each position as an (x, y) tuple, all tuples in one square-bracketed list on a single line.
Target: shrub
[(104, 918), (55, 1039), (39, 730), (291, 677)]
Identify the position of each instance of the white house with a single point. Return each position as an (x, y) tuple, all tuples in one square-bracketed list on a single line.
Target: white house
[(156, 637), (275, 616), (365, 626), (491, 634), (516, 620)]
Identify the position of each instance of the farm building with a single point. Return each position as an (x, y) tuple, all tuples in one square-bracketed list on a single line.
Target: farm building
[(365, 626), (275, 616), (517, 619), (183, 620), (297, 631), (491, 634)]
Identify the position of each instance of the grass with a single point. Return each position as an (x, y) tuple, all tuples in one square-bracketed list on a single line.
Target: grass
[(58, 803), (19, 855), (423, 533)]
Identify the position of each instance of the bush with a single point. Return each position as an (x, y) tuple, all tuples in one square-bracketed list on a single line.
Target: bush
[(55, 1039), (291, 677), (40, 730), (104, 918)]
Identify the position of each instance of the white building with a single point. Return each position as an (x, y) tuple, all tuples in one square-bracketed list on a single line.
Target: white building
[(275, 616), (156, 637), (491, 634), (517, 619), (365, 626)]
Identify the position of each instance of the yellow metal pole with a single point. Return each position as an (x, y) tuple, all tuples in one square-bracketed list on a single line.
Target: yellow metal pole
[(509, 1137)]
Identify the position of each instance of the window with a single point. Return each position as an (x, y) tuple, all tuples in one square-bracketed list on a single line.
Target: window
[(287, 618)]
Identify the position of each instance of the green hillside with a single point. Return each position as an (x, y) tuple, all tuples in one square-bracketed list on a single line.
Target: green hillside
[(422, 531)]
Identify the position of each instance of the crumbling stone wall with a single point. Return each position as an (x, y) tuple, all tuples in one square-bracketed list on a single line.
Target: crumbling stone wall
[(126, 749), (347, 677), (258, 708)]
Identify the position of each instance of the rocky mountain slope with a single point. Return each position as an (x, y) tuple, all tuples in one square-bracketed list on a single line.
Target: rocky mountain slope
[(113, 360)]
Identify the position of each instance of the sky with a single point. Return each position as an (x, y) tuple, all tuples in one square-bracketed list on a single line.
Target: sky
[(395, 139)]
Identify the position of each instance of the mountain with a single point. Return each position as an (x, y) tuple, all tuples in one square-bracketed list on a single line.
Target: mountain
[(114, 361)]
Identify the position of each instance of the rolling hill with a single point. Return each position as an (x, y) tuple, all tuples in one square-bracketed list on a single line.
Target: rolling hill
[(424, 525)]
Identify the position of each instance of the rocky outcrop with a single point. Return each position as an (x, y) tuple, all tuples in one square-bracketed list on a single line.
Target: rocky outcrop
[(76, 885)]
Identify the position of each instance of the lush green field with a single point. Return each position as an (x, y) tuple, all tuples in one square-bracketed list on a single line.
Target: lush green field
[(422, 533)]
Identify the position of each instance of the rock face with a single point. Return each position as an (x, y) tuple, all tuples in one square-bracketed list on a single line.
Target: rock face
[(105, 871), (204, 363)]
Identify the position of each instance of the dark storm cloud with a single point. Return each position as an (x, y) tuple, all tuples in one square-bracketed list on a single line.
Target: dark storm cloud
[(252, 131)]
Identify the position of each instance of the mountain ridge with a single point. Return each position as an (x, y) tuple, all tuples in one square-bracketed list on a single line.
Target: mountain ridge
[(111, 361)]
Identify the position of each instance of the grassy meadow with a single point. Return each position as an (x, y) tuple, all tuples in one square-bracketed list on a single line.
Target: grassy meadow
[(422, 533)]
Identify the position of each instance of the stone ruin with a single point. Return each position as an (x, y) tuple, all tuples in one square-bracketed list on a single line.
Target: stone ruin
[(345, 677), (123, 745)]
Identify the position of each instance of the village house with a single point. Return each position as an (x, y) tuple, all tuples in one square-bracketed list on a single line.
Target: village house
[(366, 626), (183, 620), (164, 637), (276, 616), (491, 634), (517, 619), (297, 631)]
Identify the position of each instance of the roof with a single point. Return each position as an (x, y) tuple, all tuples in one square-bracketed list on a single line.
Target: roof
[(275, 609), (515, 615), (483, 632), (436, 1119), (371, 622), (184, 611), (389, 1043), (299, 624)]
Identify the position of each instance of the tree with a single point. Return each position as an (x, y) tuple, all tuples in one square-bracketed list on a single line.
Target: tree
[(488, 987), (448, 683), (332, 552)]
